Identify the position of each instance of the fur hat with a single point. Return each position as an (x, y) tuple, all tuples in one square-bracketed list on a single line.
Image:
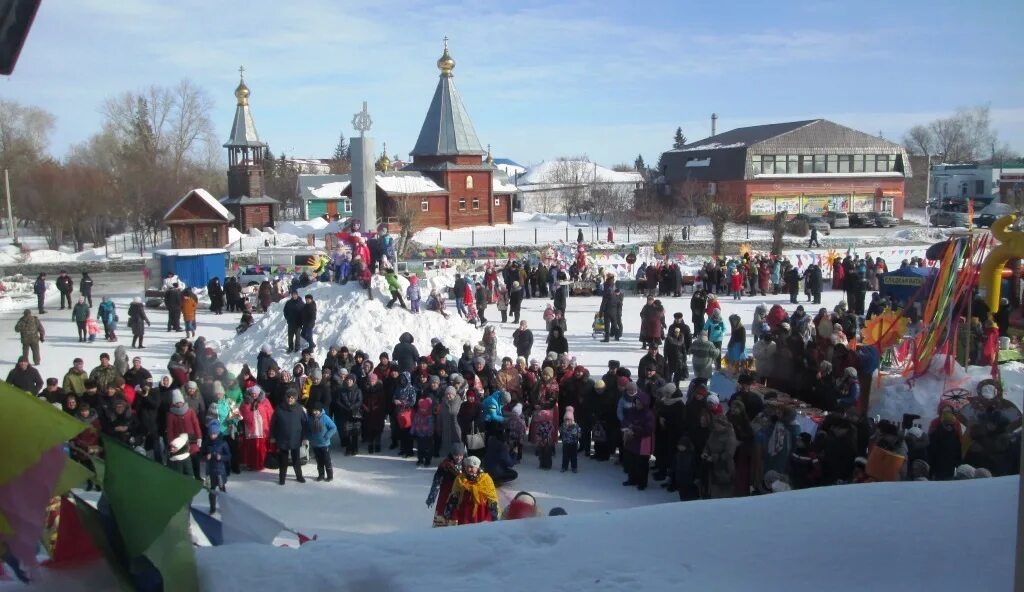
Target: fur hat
[(599, 385), (517, 409), (713, 400), (851, 372), (667, 390), (479, 360), (179, 447), (964, 471), (471, 461), (982, 473), (315, 374), (192, 385), (266, 348), (548, 373), (570, 414), (552, 356), (506, 398), (177, 397)]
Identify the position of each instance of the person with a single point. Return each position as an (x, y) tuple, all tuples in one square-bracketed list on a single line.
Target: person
[(813, 242), (501, 301), (515, 300), (348, 412), (74, 379), (293, 318), (308, 321), (216, 293), (39, 289), (80, 315), (704, 354), (677, 344), (491, 412), (483, 298), (570, 433), (137, 322), (257, 414), (25, 377), (444, 479), (65, 285), (393, 288), (85, 287), (287, 430), (719, 452), (736, 350), (473, 498), (413, 293), (405, 353), (715, 329), (107, 312), (638, 423), (217, 455), (611, 309), (698, 305), (944, 445), (321, 431), (189, 307), (422, 430), (557, 342), (32, 333), (459, 288), (850, 389), (792, 279), (522, 339), (172, 301), (183, 435)]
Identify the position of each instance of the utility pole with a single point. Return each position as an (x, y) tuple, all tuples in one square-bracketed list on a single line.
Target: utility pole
[(10, 212)]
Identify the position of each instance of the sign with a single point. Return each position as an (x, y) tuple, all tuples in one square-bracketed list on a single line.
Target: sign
[(787, 204), (814, 204), (863, 203), (762, 206), (839, 203), (631, 258)]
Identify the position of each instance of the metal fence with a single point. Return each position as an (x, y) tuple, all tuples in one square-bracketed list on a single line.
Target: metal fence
[(130, 243)]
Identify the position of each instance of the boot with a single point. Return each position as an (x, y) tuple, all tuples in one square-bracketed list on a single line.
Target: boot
[(213, 503)]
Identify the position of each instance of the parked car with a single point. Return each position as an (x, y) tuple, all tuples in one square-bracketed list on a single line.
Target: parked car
[(812, 222), (873, 219), (837, 219), (947, 218), (991, 213)]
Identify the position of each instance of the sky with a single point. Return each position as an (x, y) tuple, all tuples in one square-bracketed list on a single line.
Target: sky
[(540, 78)]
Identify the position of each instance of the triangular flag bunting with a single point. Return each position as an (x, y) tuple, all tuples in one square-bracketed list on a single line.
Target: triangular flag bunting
[(243, 523), (210, 526), (92, 522), (72, 475), (23, 501), (73, 542), (173, 554), (28, 428)]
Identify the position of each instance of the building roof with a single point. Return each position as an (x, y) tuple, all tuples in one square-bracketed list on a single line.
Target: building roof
[(548, 173), (447, 129), (245, 200), (206, 197), (742, 137), (243, 128), (333, 187)]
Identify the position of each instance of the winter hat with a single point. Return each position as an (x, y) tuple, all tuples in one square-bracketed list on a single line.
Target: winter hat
[(191, 385), (599, 385), (177, 397), (570, 414), (479, 350), (920, 469), (622, 381), (517, 409), (458, 449), (860, 461), (851, 372), (982, 473), (825, 366), (631, 389), (479, 360), (458, 379), (266, 348), (713, 400), (315, 374), (506, 398), (213, 427), (667, 390), (424, 405), (136, 300), (548, 373), (471, 461), (179, 447), (964, 471), (558, 512), (552, 356), (915, 431), (218, 388), (434, 378)]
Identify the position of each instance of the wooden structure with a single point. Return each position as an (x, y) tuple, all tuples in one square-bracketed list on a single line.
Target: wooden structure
[(198, 221)]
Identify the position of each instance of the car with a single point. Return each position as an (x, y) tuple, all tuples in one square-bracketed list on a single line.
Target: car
[(947, 218), (837, 219), (873, 219), (812, 222), (991, 213)]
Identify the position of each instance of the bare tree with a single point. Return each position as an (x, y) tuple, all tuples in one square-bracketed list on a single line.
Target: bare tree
[(570, 178), (965, 136), (919, 140), (608, 198), (778, 232), (720, 212), (407, 212)]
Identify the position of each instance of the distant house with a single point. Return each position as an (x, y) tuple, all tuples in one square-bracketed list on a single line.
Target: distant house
[(543, 187), (307, 166), (198, 221), (324, 195), (509, 167), (799, 167)]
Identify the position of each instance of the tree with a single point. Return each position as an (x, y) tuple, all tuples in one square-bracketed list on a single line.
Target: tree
[(679, 140), (965, 136), (639, 165), (341, 161), (570, 179), (341, 149), (778, 232), (719, 212), (407, 212), (608, 198), (24, 137)]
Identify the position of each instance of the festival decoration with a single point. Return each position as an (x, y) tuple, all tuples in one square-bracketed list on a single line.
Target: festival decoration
[(884, 330)]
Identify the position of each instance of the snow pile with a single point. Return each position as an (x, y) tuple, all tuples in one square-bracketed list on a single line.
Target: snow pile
[(922, 235), (345, 316), (257, 239), (921, 396), (303, 228), (16, 292), (889, 533)]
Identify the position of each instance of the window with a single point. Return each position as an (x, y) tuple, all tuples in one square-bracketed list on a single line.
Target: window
[(462, 204), (979, 187), (476, 204), (806, 164), (755, 164), (833, 163), (469, 182), (767, 164), (424, 206), (348, 206), (858, 163), (869, 163), (793, 165), (497, 202), (819, 163), (780, 164), (844, 163)]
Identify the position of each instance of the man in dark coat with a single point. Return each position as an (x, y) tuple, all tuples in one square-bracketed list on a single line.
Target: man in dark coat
[(308, 320), (293, 317), (85, 287), (698, 306), (288, 430), (793, 284), (515, 300), (460, 288), (172, 300), (65, 285), (25, 377), (483, 298), (405, 353), (607, 309), (522, 338), (812, 279)]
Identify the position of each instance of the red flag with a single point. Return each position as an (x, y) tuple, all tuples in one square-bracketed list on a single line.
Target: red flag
[(73, 543)]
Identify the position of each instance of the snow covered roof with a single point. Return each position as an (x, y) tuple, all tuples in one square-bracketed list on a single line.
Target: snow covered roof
[(407, 183), (189, 252), (206, 197), (333, 190), (399, 182), (548, 172)]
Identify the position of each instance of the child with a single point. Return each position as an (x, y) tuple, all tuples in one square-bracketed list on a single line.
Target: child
[(413, 293), (393, 288), (736, 284), (321, 430), (92, 328), (516, 432), (544, 436), (570, 439), (423, 430), (218, 461)]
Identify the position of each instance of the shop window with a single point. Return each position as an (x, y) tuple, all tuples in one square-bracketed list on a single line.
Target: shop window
[(833, 163), (462, 205), (469, 182), (793, 164), (476, 204), (424, 206), (844, 163)]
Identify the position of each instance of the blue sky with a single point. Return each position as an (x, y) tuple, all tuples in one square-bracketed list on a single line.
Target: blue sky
[(540, 79)]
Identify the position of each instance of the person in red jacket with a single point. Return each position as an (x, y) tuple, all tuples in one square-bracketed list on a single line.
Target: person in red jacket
[(184, 436), (256, 414)]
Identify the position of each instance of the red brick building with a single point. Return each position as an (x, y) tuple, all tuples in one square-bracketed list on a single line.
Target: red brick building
[(451, 182), (798, 167)]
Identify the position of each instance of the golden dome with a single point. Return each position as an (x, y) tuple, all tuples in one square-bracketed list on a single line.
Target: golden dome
[(445, 63), (242, 93), (384, 163)]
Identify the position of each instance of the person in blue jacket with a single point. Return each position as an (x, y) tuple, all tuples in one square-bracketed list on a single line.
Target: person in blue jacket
[(850, 389), (321, 431), (715, 329), (217, 454), (491, 411)]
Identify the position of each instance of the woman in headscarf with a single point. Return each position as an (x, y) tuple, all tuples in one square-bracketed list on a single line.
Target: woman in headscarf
[(256, 413)]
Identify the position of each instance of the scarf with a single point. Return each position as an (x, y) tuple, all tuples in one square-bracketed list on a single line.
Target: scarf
[(257, 420), (481, 488), (179, 411)]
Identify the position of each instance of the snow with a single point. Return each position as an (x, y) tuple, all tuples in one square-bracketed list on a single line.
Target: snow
[(888, 530), (546, 173), (897, 395), (709, 146), (332, 190), (404, 183), (188, 252), (347, 317), (16, 292), (206, 197), (303, 228)]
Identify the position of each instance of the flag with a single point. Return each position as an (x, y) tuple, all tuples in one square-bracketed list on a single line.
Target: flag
[(174, 556), (72, 475), (30, 427), (242, 523), (92, 523), (23, 502), (73, 542), (143, 495), (210, 526)]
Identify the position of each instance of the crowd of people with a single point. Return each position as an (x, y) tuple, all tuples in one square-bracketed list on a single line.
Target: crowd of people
[(479, 415)]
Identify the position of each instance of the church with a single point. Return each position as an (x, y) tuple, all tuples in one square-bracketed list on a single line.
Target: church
[(452, 182)]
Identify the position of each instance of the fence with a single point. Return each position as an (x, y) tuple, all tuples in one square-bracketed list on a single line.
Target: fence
[(130, 243)]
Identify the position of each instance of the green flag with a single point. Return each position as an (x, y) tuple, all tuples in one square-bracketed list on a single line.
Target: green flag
[(144, 495), (28, 428), (173, 554), (93, 525)]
